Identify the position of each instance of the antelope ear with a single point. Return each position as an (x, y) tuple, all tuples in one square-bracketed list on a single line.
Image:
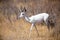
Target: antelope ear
[(24, 9)]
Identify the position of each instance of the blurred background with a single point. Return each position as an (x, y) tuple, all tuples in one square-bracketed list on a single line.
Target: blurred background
[(12, 28)]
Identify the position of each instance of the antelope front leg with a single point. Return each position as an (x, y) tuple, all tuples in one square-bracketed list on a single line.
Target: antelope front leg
[(31, 29), (36, 30)]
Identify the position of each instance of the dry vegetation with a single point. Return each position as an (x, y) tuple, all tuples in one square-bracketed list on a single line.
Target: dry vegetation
[(12, 28)]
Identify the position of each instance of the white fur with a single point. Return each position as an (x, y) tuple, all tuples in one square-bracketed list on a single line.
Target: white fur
[(35, 18)]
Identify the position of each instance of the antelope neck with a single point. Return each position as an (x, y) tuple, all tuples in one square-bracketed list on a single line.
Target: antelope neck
[(27, 18)]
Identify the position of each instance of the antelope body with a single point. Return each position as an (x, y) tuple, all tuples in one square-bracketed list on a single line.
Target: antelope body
[(35, 18)]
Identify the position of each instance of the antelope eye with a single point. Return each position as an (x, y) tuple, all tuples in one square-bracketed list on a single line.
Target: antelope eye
[(22, 14)]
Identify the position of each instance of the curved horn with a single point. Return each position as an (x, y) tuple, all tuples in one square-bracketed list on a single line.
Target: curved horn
[(20, 8)]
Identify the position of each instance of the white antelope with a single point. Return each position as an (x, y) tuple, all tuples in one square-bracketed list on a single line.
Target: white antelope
[(35, 18)]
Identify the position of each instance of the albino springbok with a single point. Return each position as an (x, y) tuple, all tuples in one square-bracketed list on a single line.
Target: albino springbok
[(35, 18)]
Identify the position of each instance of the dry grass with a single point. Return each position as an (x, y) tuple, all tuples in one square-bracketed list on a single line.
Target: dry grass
[(19, 30), (13, 29)]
